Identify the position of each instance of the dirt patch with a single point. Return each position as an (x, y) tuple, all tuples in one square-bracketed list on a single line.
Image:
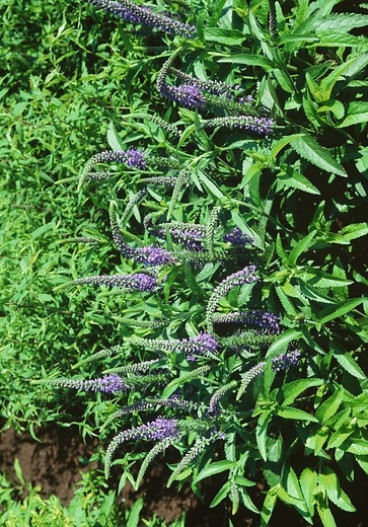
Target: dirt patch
[(55, 463)]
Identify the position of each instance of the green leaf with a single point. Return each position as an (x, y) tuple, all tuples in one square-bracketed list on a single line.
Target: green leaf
[(329, 407), (249, 60), (113, 138), (291, 390), (301, 246), (281, 343), (231, 37), (221, 495), (133, 518), (247, 502), (294, 179), (359, 448), (210, 185), (338, 310), (268, 506), (354, 230), (308, 484), (214, 468), (347, 362), (357, 113), (261, 433), (328, 480), (295, 414), (308, 148), (325, 514)]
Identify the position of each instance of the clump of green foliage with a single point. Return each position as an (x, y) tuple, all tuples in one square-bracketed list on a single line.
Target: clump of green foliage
[(273, 154)]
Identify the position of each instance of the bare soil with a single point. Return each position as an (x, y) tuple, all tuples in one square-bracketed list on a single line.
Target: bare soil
[(55, 463)]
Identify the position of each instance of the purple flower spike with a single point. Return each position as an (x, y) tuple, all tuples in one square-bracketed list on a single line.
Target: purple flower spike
[(261, 320), (135, 282), (188, 95), (237, 237), (284, 361), (152, 256), (160, 429), (203, 343), (135, 158), (108, 384), (144, 15)]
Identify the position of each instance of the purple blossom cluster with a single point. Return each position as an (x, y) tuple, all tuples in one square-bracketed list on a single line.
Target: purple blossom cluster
[(202, 344), (191, 236), (108, 384), (144, 15), (286, 360), (237, 237), (259, 319), (257, 125), (144, 255), (133, 158), (244, 276), (136, 282), (188, 95), (209, 86), (149, 255), (159, 429)]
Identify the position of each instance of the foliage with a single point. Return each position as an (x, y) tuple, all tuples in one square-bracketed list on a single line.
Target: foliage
[(257, 131)]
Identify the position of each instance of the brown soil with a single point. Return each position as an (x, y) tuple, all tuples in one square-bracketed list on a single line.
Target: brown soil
[(55, 463)]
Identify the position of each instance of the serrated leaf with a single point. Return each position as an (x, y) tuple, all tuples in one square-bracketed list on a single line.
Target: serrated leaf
[(281, 343), (330, 313), (295, 179), (330, 483), (301, 246), (357, 112), (210, 185), (221, 495), (354, 231), (329, 407), (347, 362), (291, 390), (295, 414), (214, 468), (268, 506), (309, 149), (308, 484), (360, 448), (249, 60), (231, 37), (261, 434)]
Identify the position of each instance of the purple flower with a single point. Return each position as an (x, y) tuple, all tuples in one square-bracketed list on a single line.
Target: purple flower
[(135, 282), (143, 255), (244, 276), (257, 125), (188, 95), (189, 235), (144, 15), (202, 344), (108, 384), (237, 237), (263, 320), (158, 429), (284, 361), (135, 158)]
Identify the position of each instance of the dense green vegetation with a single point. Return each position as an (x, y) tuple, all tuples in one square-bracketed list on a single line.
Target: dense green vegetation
[(255, 190)]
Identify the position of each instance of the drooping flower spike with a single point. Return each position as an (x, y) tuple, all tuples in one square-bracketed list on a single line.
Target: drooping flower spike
[(136, 14)]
